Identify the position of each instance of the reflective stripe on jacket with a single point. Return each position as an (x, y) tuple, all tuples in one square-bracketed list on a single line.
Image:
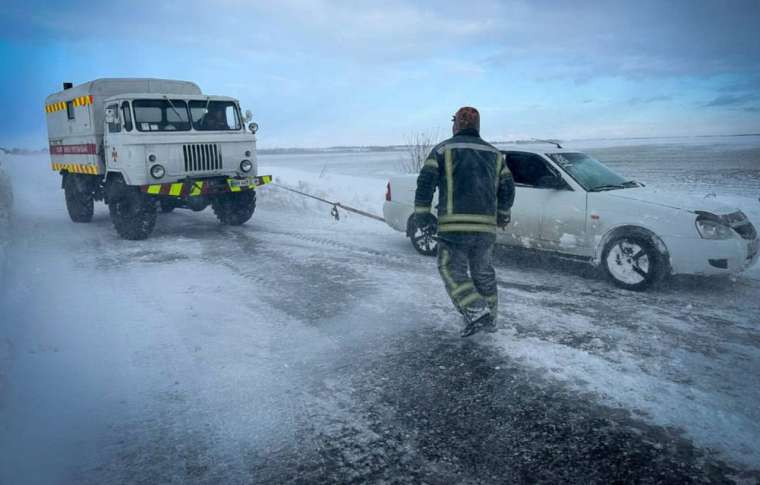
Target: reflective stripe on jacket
[(474, 184)]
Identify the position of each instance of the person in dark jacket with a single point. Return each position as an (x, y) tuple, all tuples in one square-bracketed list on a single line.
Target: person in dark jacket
[(475, 195)]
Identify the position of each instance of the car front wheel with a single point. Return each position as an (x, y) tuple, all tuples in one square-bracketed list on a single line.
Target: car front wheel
[(633, 262)]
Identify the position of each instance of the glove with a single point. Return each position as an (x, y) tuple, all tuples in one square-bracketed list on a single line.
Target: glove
[(502, 219), (425, 221)]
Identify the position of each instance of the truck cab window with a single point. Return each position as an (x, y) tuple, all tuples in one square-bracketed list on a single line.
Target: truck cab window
[(70, 110), (215, 115), (126, 115), (161, 115), (114, 127), (527, 169)]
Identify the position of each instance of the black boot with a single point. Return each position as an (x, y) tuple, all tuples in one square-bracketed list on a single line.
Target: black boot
[(486, 322)]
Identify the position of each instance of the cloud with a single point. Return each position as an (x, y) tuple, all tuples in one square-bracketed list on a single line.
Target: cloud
[(752, 109), (732, 99), (652, 99)]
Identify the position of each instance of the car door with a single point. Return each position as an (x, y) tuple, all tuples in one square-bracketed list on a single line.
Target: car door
[(551, 212), (563, 218), (525, 227)]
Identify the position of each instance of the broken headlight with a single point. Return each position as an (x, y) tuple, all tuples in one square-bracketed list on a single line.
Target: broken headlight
[(713, 228)]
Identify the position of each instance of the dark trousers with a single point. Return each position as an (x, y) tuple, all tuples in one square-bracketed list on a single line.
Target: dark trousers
[(466, 266)]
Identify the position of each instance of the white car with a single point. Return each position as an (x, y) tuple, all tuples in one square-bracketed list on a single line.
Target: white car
[(567, 202)]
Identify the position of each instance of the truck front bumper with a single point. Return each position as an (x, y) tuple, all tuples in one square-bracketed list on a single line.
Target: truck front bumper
[(210, 186)]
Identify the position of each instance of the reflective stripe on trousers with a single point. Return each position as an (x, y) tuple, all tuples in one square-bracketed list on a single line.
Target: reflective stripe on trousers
[(467, 271)]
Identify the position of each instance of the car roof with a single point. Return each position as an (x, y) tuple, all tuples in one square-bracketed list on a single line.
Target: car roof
[(535, 148)]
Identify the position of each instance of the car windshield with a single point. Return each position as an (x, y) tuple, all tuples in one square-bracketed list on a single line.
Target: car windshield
[(214, 115), (590, 173), (161, 115)]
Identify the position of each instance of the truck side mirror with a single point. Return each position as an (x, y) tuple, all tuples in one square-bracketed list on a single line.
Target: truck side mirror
[(112, 116), (254, 127), (248, 115)]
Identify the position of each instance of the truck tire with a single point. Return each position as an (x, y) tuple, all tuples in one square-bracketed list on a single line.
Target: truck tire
[(133, 214), (234, 208), (167, 206), (79, 203)]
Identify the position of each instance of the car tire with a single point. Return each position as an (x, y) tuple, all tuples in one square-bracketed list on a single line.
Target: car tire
[(425, 244), (133, 214), (633, 262), (80, 204), (234, 208)]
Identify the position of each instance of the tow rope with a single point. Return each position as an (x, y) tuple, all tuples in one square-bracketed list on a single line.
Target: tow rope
[(335, 205)]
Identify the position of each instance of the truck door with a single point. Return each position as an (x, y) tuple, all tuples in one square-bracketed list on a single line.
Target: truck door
[(115, 153)]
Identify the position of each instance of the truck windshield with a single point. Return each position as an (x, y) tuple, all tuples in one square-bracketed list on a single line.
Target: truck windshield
[(161, 115), (590, 173), (214, 115)]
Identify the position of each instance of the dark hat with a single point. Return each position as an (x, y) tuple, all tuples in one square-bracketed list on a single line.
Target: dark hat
[(466, 118)]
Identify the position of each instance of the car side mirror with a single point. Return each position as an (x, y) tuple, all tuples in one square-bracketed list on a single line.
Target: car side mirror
[(112, 116), (254, 127), (551, 182), (248, 115)]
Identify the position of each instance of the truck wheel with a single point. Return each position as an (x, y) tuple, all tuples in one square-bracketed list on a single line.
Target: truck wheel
[(167, 206), (79, 203), (425, 244), (234, 208), (133, 214), (633, 262)]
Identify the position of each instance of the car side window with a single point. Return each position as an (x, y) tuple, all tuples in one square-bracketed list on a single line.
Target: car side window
[(528, 169), (126, 115), (114, 127)]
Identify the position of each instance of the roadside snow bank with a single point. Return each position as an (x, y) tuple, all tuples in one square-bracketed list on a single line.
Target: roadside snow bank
[(6, 206)]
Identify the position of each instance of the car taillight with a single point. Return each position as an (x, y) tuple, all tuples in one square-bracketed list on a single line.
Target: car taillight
[(388, 192)]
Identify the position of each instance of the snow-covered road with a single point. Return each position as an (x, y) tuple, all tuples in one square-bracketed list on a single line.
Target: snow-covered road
[(298, 348)]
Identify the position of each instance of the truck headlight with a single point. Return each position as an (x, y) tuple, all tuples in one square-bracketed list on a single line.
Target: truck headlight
[(711, 229), (157, 171), (246, 166)]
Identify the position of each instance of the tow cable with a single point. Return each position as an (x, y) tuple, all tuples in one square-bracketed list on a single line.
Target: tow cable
[(335, 205)]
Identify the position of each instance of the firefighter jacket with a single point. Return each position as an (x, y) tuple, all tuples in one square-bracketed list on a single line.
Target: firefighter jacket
[(474, 185)]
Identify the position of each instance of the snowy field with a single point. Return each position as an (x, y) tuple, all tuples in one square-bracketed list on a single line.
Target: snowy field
[(297, 348)]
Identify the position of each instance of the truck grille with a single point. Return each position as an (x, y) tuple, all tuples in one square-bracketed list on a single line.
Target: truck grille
[(202, 157)]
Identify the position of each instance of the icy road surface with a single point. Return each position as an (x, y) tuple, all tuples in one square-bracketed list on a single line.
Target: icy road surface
[(300, 349)]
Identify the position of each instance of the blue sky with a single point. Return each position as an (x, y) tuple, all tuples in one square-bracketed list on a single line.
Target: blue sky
[(324, 73)]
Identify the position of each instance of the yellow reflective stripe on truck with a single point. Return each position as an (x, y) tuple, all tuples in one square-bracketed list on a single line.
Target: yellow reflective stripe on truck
[(76, 102), (176, 189), (76, 168)]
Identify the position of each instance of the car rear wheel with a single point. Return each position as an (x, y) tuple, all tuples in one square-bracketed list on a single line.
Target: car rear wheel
[(633, 262), (425, 243)]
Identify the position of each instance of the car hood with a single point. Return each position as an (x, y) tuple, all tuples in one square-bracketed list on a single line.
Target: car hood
[(670, 199)]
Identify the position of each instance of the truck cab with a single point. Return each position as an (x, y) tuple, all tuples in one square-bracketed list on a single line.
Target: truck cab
[(147, 144)]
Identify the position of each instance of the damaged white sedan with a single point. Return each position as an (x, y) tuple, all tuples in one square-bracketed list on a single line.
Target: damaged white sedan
[(569, 203)]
